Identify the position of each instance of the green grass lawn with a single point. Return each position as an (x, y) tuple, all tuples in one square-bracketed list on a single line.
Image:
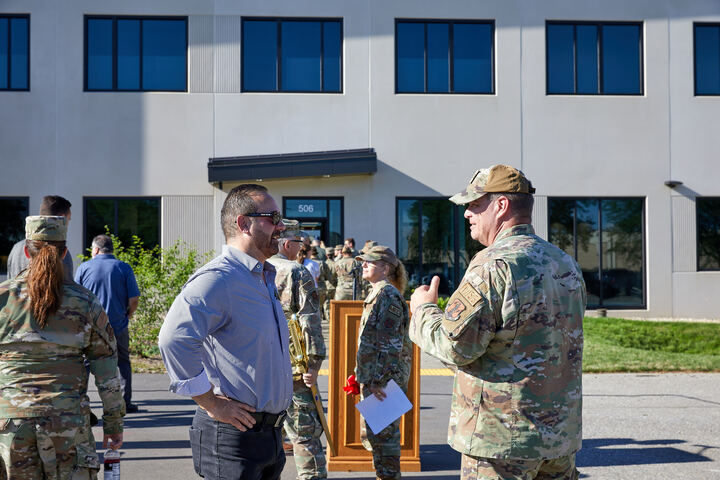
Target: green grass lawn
[(617, 345)]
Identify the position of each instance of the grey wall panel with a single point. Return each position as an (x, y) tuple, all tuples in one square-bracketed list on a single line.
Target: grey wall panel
[(227, 53), (540, 217), (190, 219), (684, 234), (200, 54)]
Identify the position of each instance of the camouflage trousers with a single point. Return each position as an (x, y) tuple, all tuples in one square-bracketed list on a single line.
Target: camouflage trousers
[(478, 468), (385, 447), (304, 429), (52, 448)]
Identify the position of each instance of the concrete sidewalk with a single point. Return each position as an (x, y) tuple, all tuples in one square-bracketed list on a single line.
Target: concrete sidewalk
[(636, 426)]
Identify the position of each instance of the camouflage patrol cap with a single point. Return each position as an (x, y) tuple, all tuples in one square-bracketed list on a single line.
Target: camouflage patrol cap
[(329, 250), (47, 228), (496, 179), (368, 245), (292, 229), (379, 252), (339, 247)]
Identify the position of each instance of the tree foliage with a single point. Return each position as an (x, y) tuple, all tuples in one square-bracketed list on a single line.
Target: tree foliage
[(160, 274)]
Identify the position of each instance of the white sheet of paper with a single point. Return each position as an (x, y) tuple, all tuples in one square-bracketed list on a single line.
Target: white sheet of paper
[(379, 414)]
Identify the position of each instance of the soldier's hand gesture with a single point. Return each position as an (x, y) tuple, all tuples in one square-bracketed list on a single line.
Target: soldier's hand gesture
[(425, 294)]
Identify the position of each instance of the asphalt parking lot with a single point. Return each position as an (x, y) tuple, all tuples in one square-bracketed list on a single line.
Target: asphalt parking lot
[(635, 426)]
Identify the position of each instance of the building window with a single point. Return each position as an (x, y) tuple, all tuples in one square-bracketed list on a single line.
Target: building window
[(292, 55), (594, 58), (13, 211), (14, 52), (450, 56), (707, 59), (708, 231), (605, 236), (321, 217), (135, 54), (433, 239), (125, 218)]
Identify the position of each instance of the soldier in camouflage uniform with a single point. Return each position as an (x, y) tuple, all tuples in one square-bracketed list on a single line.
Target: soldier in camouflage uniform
[(328, 267), (384, 350), (514, 330), (46, 334), (298, 295), (348, 271), (366, 287)]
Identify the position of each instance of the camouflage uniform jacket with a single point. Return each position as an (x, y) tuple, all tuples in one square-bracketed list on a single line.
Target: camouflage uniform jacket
[(514, 330), (298, 295), (327, 278), (347, 269), (384, 348), (42, 370)]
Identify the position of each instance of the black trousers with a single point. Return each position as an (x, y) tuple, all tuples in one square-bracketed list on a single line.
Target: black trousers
[(123, 347), (222, 452)]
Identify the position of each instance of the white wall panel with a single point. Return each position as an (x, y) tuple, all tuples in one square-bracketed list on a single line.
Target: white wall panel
[(188, 218), (200, 53), (540, 217), (228, 37), (684, 235)]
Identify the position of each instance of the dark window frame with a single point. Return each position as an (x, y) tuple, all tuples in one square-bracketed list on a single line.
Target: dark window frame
[(643, 232), (457, 231), (140, 18), (695, 25), (9, 88), (278, 60), (451, 69), (115, 219), (327, 206), (27, 204), (697, 234), (599, 25)]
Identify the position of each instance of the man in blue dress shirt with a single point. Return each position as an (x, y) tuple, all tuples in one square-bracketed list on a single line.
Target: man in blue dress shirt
[(113, 282), (225, 344)]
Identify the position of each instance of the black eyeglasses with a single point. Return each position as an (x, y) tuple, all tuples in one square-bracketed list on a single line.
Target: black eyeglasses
[(275, 217), (296, 241)]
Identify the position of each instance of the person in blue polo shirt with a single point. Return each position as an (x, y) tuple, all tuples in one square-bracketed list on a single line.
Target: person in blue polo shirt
[(113, 282)]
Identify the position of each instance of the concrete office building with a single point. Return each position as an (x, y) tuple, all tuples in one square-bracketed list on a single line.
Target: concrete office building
[(361, 118)]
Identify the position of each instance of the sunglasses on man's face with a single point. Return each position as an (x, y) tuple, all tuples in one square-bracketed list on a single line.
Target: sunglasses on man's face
[(275, 217)]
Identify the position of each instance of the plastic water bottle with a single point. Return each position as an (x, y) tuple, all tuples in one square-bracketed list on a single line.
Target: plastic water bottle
[(111, 466)]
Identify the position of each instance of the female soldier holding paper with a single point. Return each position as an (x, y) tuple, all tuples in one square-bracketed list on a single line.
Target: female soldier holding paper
[(384, 350)]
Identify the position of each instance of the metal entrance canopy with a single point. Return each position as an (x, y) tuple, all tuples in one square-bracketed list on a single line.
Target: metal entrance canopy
[(292, 165)]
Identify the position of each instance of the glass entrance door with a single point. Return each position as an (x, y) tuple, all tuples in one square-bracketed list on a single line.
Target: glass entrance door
[(315, 227), (321, 217)]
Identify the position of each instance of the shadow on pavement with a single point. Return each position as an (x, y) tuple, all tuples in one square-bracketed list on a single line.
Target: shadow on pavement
[(159, 420), (608, 452), (439, 457), (155, 445), (160, 402)]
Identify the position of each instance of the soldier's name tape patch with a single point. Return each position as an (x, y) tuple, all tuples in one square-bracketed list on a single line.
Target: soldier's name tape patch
[(395, 310), (308, 285), (467, 291)]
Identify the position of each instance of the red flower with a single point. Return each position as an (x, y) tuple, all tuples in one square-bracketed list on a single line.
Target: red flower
[(352, 387)]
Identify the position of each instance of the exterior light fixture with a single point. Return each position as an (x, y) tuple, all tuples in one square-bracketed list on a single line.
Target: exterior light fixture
[(673, 183)]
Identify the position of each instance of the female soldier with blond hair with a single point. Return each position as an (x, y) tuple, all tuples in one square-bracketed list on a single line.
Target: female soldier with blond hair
[(48, 327), (384, 349)]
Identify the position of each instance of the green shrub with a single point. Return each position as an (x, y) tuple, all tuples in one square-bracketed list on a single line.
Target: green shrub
[(160, 274), (442, 302)]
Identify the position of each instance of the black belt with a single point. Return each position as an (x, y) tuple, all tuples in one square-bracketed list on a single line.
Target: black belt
[(264, 419)]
